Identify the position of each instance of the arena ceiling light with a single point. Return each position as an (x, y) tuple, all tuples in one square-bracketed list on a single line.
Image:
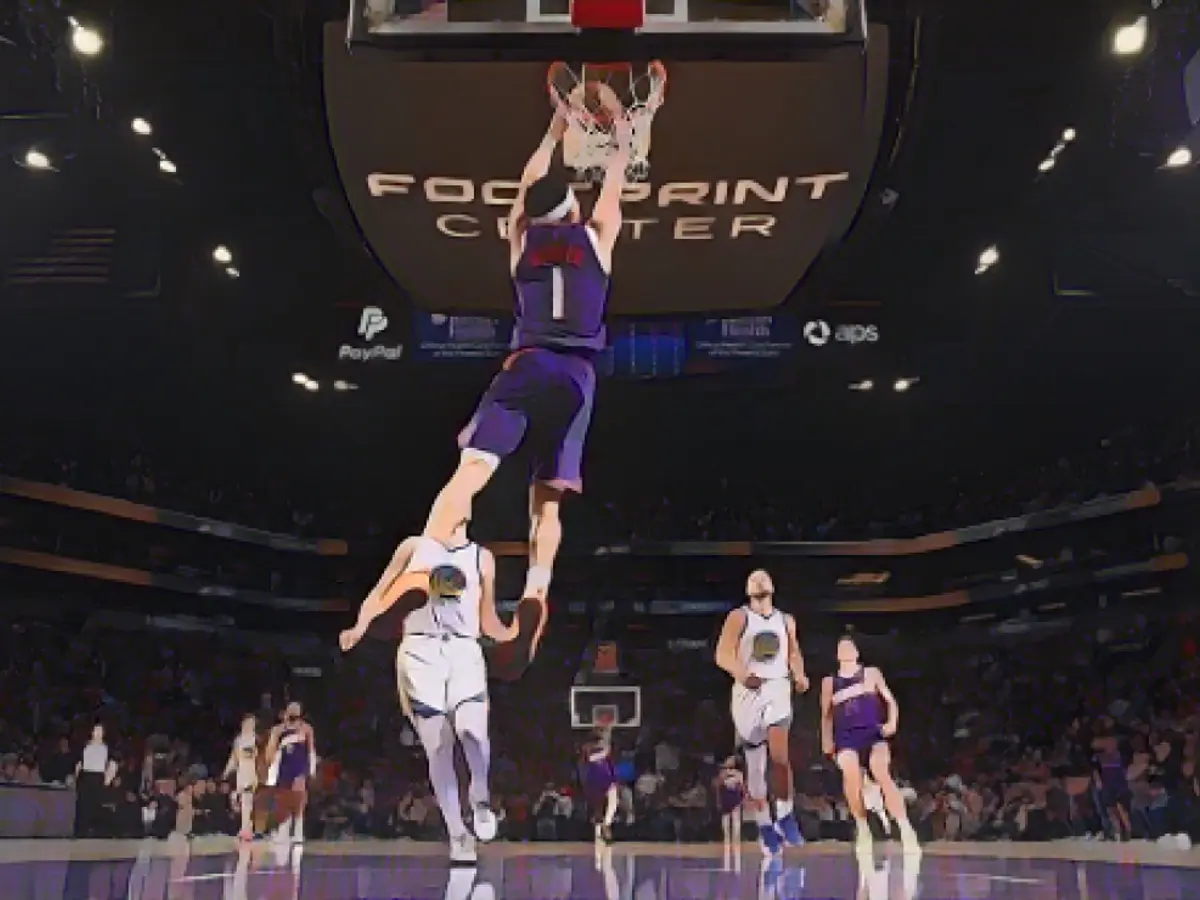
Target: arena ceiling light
[(865, 385), (1180, 158), (1046, 164), (142, 127), (987, 259), (312, 386), (1130, 39), (345, 386), (165, 165), (232, 272), (84, 40), (222, 254), (36, 160), (300, 379), (905, 384), (1069, 135)]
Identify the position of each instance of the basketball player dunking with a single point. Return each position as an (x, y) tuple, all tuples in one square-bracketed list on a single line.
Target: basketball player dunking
[(442, 680), (855, 731), (543, 395), (243, 762), (292, 759), (758, 648)]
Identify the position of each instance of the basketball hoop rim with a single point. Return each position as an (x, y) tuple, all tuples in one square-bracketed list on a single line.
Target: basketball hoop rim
[(655, 69)]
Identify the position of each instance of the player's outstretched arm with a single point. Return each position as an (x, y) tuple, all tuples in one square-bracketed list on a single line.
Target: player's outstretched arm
[(537, 167), (489, 619), (727, 656), (376, 603), (606, 214)]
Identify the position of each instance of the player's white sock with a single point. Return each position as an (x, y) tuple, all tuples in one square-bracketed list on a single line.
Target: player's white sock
[(783, 808), (438, 740)]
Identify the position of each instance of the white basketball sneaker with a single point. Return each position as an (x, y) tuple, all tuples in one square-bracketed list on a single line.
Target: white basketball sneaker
[(484, 822), (462, 850)]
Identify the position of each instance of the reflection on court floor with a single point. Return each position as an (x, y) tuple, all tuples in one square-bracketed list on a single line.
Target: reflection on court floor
[(179, 870)]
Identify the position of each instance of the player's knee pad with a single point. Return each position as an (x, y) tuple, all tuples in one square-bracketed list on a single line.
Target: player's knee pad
[(756, 771)]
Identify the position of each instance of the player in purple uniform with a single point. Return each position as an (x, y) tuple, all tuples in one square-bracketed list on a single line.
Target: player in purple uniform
[(730, 789), (543, 395), (855, 731), (292, 760), (599, 778)]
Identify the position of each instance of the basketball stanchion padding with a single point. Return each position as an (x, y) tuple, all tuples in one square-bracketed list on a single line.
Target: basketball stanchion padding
[(618, 15)]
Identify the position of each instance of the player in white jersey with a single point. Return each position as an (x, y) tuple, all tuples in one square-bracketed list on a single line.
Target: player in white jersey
[(243, 762), (442, 679), (759, 649)]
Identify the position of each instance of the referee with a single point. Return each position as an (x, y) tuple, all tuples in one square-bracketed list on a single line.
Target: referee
[(90, 774)]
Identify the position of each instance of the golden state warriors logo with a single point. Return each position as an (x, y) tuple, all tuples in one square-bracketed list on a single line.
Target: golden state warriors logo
[(446, 584), (764, 647)]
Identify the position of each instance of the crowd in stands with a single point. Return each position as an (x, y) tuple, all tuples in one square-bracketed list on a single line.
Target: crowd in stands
[(998, 739), (753, 506)]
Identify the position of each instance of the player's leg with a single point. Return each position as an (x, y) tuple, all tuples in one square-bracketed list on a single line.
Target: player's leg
[(545, 537), (781, 782), (852, 784), (437, 737), (495, 431), (423, 675), (467, 694), (880, 763), (245, 801), (299, 805), (748, 709), (776, 697), (561, 418)]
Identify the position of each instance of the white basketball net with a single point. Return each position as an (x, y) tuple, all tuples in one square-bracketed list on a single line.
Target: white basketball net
[(591, 139)]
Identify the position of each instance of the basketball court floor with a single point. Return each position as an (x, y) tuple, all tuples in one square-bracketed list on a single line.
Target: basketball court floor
[(217, 869)]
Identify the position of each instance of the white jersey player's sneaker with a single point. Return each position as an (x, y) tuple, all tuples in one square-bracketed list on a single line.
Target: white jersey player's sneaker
[(484, 822)]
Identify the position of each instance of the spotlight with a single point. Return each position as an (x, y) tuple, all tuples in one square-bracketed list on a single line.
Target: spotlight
[(142, 127), (1046, 165), (86, 41), (344, 386), (902, 385), (36, 159), (233, 273), (165, 165), (312, 386), (1069, 135), (865, 385), (299, 378), (222, 255), (1180, 157), (1130, 40), (987, 259)]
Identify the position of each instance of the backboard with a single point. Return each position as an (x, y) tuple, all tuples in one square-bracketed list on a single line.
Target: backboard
[(373, 19), (598, 706)]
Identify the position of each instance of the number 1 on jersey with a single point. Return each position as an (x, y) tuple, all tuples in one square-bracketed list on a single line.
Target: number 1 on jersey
[(558, 310)]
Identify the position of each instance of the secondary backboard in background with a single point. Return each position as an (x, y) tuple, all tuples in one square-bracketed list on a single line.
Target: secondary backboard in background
[(381, 18)]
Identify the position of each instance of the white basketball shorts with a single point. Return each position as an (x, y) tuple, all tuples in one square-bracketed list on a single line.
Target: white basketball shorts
[(439, 675), (756, 711)]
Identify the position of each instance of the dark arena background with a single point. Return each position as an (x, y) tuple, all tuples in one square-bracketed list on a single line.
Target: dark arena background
[(903, 311)]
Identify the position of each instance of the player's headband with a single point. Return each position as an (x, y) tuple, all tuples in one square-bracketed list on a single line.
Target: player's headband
[(565, 206)]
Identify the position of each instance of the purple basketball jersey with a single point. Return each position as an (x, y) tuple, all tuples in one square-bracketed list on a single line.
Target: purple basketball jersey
[(562, 290), (857, 712)]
